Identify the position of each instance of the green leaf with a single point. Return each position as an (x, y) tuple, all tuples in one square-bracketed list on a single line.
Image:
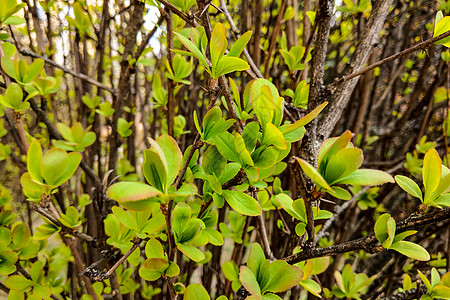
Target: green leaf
[(409, 186), (31, 189), (440, 28), (191, 252), (213, 162), (331, 147), (431, 172), (340, 193), (18, 283), (34, 70), (193, 49), (265, 157), (381, 229), (240, 44), (248, 280), (366, 177), (441, 292), (309, 117), (425, 280), (312, 173), (391, 226), (242, 203), (411, 250), (133, 195), (250, 135), (226, 147), (74, 161), (53, 162), (217, 46), (155, 168), (443, 201), (264, 106), (285, 278), (196, 291), (181, 216), (172, 154), (230, 64), (242, 150), (345, 162), (286, 203), (273, 136)]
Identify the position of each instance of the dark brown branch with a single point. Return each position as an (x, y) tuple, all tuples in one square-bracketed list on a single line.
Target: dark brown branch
[(95, 275), (420, 46), (190, 20), (369, 243)]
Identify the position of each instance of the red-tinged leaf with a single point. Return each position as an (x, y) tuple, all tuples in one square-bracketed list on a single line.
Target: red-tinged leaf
[(248, 280), (217, 45), (285, 278), (133, 195), (331, 146), (309, 117)]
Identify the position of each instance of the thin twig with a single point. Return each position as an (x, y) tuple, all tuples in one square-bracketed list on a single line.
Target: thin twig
[(190, 20), (419, 46), (262, 230), (81, 76), (96, 275), (252, 64)]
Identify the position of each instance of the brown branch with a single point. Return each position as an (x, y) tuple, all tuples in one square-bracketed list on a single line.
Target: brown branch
[(188, 19), (66, 230), (81, 76), (341, 96), (95, 275), (252, 64), (369, 243), (273, 39), (419, 46), (170, 83)]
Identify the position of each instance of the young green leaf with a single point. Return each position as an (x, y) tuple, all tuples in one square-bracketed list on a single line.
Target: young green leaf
[(411, 250), (230, 64), (366, 177), (312, 173), (133, 195), (196, 291), (249, 281), (431, 172), (242, 203), (240, 44), (409, 186)]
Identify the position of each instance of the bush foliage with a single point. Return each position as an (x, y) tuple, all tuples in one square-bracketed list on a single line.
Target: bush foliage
[(224, 149)]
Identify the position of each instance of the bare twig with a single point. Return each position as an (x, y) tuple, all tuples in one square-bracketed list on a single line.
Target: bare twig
[(96, 275), (188, 19), (420, 46)]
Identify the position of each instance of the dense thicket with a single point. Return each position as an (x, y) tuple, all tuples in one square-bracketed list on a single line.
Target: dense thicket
[(150, 150)]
